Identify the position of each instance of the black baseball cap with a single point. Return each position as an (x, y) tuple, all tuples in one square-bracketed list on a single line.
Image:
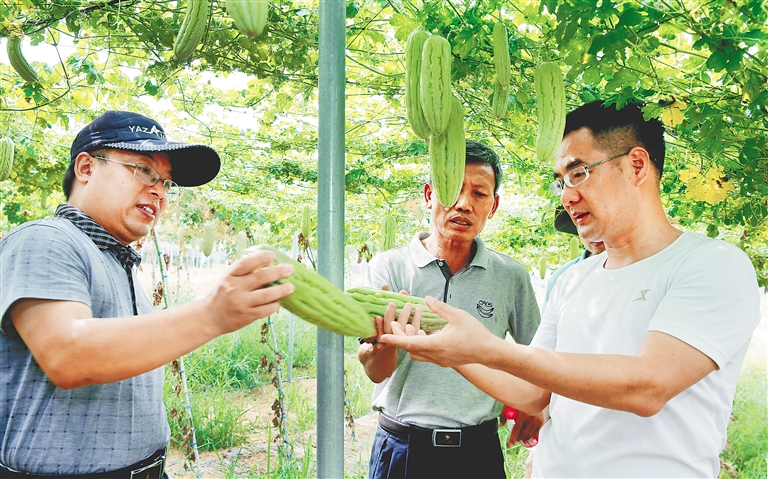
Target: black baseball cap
[(192, 165), (563, 221)]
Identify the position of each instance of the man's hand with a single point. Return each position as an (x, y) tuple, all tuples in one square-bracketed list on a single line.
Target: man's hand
[(462, 341), (526, 428), (384, 325), (246, 293), (379, 359)]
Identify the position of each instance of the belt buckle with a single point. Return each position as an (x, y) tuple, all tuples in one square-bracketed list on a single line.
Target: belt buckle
[(446, 437), (152, 471)]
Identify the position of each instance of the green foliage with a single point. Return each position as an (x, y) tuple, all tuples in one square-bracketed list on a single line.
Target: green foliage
[(219, 372), (747, 448), (231, 362), (701, 68), (514, 457)]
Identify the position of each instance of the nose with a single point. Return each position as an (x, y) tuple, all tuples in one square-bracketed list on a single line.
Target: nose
[(158, 189), (463, 201), (569, 196)]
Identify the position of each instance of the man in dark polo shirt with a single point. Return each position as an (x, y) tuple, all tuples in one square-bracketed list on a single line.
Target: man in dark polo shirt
[(433, 422), (81, 348)]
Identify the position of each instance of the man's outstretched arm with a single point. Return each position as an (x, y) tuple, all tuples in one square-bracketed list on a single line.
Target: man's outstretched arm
[(642, 384)]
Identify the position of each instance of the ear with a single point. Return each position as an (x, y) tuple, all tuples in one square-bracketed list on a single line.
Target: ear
[(642, 167), (428, 195), (495, 206), (84, 167)]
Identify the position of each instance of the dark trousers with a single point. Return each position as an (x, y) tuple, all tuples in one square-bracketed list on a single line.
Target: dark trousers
[(406, 457)]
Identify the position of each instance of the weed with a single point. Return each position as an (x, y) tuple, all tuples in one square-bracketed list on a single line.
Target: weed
[(746, 452)]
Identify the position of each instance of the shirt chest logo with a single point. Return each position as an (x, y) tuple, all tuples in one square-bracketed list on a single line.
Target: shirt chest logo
[(642, 295), (485, 309)]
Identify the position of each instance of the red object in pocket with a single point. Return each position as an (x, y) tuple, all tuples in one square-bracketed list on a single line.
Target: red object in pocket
[(509, 412)]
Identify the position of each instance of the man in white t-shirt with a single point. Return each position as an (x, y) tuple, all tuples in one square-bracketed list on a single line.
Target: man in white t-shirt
[(639, 350)]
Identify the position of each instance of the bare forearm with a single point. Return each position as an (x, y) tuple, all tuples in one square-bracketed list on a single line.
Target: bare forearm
[(378, 365), (636, 384), (506, 388), (563, 374), (87, 351), (75, 349), (663, 367)]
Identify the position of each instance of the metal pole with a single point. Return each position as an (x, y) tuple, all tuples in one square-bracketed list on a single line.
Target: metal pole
[(330, 234)]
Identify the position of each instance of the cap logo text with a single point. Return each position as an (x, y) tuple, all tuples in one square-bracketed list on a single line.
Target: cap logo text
[(152, 131)]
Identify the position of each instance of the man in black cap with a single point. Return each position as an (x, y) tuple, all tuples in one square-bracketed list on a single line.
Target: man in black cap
[(81, 346)]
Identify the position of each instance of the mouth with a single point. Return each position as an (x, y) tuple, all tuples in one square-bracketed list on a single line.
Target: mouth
[(149, 210), (579, 217), (461, 222)]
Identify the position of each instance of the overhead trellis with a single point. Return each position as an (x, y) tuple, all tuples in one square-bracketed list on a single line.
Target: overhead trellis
[(701, 67)]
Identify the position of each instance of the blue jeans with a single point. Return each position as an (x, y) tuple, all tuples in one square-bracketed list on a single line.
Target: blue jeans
[(394, 457)]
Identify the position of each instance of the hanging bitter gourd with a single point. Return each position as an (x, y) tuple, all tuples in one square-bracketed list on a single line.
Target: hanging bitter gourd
[(306, 221), (192, 28), (501, 55), (208, 239), (413, 110), (435, 83), (250, 16), (388, 227), (6, 158), (550, 100), (17, 60), (447, 157), (575, 247)]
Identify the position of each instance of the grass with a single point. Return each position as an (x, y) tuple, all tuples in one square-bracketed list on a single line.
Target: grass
[(220, 371), (746, 452)]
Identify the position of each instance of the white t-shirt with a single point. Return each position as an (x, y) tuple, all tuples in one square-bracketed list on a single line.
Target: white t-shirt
[(699, 290)]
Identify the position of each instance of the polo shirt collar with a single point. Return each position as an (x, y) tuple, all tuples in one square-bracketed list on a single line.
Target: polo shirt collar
[(127, 256), (422, 257)]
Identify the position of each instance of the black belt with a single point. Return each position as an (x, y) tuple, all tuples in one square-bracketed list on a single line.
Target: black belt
[(150, 468), (441, 437)]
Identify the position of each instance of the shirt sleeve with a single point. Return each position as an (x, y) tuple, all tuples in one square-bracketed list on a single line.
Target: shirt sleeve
[(377, 275), (546, 334), (712, 302), (526, 315), (41, 262)]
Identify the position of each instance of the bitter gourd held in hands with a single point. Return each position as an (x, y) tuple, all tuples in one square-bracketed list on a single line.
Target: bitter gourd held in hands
[(375, 302)]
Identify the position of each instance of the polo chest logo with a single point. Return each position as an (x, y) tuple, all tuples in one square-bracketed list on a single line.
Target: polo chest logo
[(485, 309)]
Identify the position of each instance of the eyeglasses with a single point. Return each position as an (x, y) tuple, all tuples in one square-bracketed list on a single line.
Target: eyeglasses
[(578, 175), (149, 176)]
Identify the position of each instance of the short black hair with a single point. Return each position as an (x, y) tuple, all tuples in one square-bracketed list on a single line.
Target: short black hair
[(479, 153), (619, 129)]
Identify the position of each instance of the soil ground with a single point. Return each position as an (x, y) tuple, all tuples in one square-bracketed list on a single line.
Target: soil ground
[(251, 459)]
